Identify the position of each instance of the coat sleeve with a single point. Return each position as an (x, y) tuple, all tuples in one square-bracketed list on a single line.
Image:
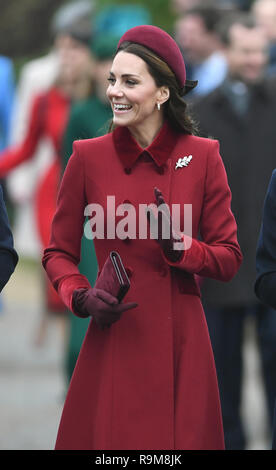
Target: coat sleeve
[(62, 256), (217, 255), (13, 156), (8, 255), (265, 285)]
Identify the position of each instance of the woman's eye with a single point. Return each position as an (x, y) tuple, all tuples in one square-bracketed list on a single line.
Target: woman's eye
[(128, 81), (131, 82)]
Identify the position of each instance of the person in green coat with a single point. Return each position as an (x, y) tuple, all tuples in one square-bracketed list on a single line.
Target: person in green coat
[(88, 118)]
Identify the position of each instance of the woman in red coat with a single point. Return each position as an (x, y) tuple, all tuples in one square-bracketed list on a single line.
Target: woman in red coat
[(48, 119), (145, 377)]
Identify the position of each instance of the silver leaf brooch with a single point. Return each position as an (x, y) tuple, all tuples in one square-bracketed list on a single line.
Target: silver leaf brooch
[(182, 162)]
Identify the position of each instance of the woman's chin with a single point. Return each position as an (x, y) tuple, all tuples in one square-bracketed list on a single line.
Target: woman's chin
[(121, 120)]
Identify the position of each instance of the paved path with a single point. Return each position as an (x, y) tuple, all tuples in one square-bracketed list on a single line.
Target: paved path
[(32, 384)]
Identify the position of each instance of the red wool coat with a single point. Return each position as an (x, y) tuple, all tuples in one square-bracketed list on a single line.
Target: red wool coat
[(149, 381), (48, 118)]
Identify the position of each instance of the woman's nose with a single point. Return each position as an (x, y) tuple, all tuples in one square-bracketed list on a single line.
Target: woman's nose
[(115, 90)]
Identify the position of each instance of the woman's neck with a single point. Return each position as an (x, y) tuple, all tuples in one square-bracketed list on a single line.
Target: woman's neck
[(145, 133)]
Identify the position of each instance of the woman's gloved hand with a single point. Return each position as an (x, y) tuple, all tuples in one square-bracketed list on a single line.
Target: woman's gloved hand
[(162, 224), (102, 306)]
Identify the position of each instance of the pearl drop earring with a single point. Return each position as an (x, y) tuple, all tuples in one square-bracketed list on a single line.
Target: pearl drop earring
[(158, 106)]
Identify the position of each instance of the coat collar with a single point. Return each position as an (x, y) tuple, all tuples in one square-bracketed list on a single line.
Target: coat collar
[(129, 150)]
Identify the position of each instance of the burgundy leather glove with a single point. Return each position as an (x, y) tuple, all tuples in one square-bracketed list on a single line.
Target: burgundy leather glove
[(102, 306), (163, 220)]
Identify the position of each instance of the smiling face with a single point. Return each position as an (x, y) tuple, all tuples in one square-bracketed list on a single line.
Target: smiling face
[(247, 53), (133, 93)]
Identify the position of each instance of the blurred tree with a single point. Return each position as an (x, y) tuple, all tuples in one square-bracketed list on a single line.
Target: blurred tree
[(24, 26)]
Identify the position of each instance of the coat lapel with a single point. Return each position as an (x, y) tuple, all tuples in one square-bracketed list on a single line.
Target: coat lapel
[(128, 150)]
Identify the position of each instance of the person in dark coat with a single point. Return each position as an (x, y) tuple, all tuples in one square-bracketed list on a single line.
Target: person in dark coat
[(241, 115), (266, 249), (8, 255), (265, 285)]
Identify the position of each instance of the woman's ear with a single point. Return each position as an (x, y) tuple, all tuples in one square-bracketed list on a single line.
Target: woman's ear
[(163, 94)]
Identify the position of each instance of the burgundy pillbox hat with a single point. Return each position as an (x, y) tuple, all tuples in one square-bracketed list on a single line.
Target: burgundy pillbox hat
[(164, 46)]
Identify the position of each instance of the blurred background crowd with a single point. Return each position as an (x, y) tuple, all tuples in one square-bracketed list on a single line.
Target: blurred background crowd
[(55, 56)]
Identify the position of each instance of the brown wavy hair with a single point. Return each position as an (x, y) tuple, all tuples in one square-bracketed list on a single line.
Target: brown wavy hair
[(175, 108)]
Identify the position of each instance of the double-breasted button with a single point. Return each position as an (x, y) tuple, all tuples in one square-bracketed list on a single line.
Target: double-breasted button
[(127, 171), (129, 271), (161, 169)]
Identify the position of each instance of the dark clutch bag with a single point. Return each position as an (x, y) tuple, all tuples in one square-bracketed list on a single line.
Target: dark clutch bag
[(113, 277)]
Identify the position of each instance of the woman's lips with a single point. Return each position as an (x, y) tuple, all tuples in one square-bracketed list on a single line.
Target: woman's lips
[(121, 108)]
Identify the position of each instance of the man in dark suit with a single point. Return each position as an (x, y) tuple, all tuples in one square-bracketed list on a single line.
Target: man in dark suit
[(8, 255), (265, 286), (240, 113)]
